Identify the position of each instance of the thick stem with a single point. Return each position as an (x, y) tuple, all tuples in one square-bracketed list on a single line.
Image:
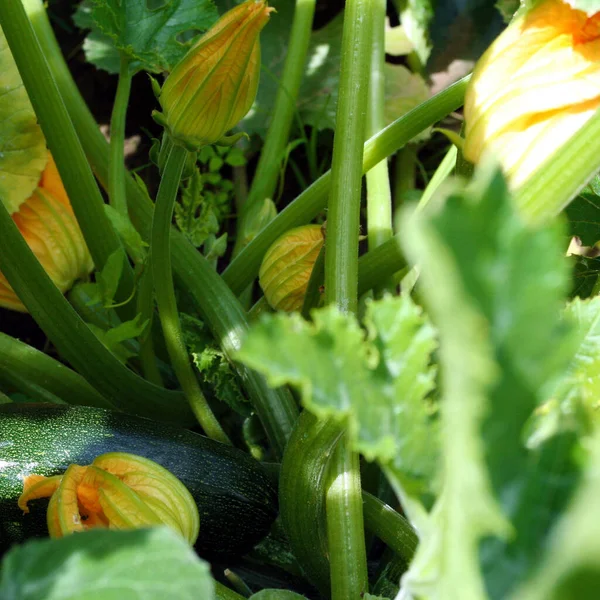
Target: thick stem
[(345, 526), (62, 140), (272, 153), (116, 172), (244, 268), (216, 302), (160, 249), (345, 530), (379, 195)]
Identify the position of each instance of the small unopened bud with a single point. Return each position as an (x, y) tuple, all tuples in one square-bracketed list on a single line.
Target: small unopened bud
[(534, 88), (47, 223), (287, 267), (213, 87)]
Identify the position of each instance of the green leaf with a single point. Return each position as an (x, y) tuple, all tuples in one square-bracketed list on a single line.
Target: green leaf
[(571, 568), (443, 31), (495, 288), (276, 595), (115, 338), (416, 16), (584, 218), (375, 384), (153, 564), (108, 278), (99, 49), (575, 403), (149, 33), (213, 366), (132, 240), (23, 153)]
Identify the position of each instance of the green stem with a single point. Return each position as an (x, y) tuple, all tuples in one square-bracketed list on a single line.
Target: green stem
[(302, 484), (552, 187), (345, 529), (379, 265), (390, 527), (160, 252), (273, 151), (443, 171), (379, 195), (224, 593), (217, 304), (62, 140), (406, 161), (73, 339), (116, 173), (30, 371), (343, 217), (145, 308), (244, 268)]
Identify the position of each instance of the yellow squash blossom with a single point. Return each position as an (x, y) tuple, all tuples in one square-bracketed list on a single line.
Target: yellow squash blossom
[(47, 223), (213, 87), (288, 265), (534, 88), (117, 491)]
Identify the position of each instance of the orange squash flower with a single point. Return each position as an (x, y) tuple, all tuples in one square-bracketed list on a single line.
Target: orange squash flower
[(288, 265), (47, 223), (213, 87), (534, 88), (117, 491)]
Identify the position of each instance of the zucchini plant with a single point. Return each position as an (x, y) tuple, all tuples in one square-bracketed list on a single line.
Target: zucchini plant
[(228, 369)]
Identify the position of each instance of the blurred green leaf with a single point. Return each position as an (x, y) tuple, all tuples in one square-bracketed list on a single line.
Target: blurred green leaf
[(571, 569), (276, 595), (495, 288), (153, 564), (443, 31), (317, 99), (374, 383)]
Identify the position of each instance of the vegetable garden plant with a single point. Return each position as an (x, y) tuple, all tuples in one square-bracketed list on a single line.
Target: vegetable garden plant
[(236, 372)]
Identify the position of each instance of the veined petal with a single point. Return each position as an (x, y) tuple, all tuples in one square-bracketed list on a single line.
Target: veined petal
[(534, 88), (215, 84)]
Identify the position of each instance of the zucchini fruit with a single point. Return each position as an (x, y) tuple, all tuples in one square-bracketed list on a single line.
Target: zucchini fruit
[(236, 499)]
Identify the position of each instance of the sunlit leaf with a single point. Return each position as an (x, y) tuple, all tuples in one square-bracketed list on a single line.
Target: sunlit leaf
[(376, 384), (153, 564), (23, 154)]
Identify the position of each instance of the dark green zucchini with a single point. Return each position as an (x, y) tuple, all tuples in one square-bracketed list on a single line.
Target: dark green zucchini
[(236, 499)]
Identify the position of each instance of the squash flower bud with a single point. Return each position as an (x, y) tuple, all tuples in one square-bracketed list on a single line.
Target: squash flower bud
[(213, 87), (47, 223), (534, 88), (117, 491), (287, 267)]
